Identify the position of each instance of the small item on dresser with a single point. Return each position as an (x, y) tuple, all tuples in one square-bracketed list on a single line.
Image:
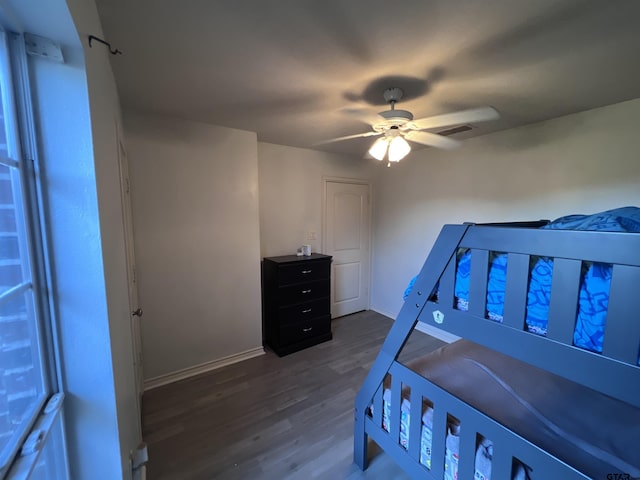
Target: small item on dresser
[(306, 250)]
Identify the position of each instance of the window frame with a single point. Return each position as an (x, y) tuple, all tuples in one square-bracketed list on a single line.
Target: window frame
[(47, 414)]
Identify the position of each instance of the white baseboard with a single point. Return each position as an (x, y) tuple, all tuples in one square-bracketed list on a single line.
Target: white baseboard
[(423, 327), (436, 332), (383, 312), (202, 368)]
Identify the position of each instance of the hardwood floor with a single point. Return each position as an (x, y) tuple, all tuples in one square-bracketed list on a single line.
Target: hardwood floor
[(271, 417)]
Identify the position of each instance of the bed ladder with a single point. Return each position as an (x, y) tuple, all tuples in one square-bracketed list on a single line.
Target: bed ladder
[(443, 251)]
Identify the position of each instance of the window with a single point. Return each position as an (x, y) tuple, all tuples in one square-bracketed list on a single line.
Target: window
[(30, 425)]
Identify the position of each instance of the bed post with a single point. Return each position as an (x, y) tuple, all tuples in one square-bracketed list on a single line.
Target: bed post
[(443, 251), (360, 441)]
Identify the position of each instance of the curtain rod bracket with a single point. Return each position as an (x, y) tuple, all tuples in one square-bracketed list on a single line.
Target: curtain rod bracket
[(111, 49)]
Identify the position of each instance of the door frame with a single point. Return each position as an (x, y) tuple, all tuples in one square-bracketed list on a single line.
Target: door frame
[(323, 247), (127, 224)]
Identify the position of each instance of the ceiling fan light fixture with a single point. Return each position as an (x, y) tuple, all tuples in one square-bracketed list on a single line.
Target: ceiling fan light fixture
[(379, 148), (398, 149)]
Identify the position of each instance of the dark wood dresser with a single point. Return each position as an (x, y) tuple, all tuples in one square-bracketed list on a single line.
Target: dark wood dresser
[(296, 302)]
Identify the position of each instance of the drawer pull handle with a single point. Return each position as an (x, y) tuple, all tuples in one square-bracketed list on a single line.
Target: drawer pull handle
[(306, 291), (306, 271), (306, 311), (305, 330)]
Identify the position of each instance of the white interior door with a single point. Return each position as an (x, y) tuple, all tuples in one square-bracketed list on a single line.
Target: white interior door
[(134, 307), (347, 239)]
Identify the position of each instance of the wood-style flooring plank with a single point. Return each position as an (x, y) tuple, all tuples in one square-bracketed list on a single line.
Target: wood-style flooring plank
[(273, 418)]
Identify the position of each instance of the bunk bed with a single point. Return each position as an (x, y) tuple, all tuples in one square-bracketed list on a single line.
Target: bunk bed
[(545, 381)]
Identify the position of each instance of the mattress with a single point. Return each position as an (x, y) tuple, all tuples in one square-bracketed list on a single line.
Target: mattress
[(593, 432)]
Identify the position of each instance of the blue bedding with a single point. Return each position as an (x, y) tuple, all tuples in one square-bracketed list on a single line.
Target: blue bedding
[(594, 284), (595, 281)]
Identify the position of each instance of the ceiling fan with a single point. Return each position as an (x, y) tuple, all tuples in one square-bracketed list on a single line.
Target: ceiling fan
[(398, 126)]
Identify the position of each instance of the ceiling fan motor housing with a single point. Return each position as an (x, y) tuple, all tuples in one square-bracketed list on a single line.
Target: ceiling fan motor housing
[(393, 118)]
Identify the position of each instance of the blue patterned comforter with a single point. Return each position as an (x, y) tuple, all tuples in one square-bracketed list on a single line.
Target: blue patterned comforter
[(594, 284)]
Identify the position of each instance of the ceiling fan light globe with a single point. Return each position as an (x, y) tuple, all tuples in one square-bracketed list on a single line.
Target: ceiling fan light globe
[(379, 148), (398, 149)]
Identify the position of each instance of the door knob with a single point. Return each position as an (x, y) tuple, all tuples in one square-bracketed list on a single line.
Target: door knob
[(137, 313)]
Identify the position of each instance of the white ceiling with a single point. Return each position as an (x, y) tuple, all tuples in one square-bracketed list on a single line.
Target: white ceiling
[(291, 69)]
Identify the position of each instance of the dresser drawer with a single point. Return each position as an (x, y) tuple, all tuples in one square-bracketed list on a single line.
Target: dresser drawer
[(303, 272), (303, 311), (297, 332), (303, 292)]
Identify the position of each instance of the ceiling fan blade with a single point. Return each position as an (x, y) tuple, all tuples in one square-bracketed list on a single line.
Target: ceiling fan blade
[(348, 137), (432, 139), (473, 115)]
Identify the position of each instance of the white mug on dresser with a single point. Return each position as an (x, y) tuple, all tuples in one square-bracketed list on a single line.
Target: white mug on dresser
[(306, 250)]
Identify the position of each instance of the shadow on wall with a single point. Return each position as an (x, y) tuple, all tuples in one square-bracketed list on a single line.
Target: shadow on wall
[(173, 130), (537, 135), (576, 156)]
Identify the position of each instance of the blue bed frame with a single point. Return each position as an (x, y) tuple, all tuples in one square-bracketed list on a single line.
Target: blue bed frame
[(614, 372)]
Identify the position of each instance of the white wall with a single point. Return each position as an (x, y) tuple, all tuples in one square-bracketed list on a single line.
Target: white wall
[(291, 193), (105, 114), (580, 163), (79, 288), (194, 192), (77, 106)]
